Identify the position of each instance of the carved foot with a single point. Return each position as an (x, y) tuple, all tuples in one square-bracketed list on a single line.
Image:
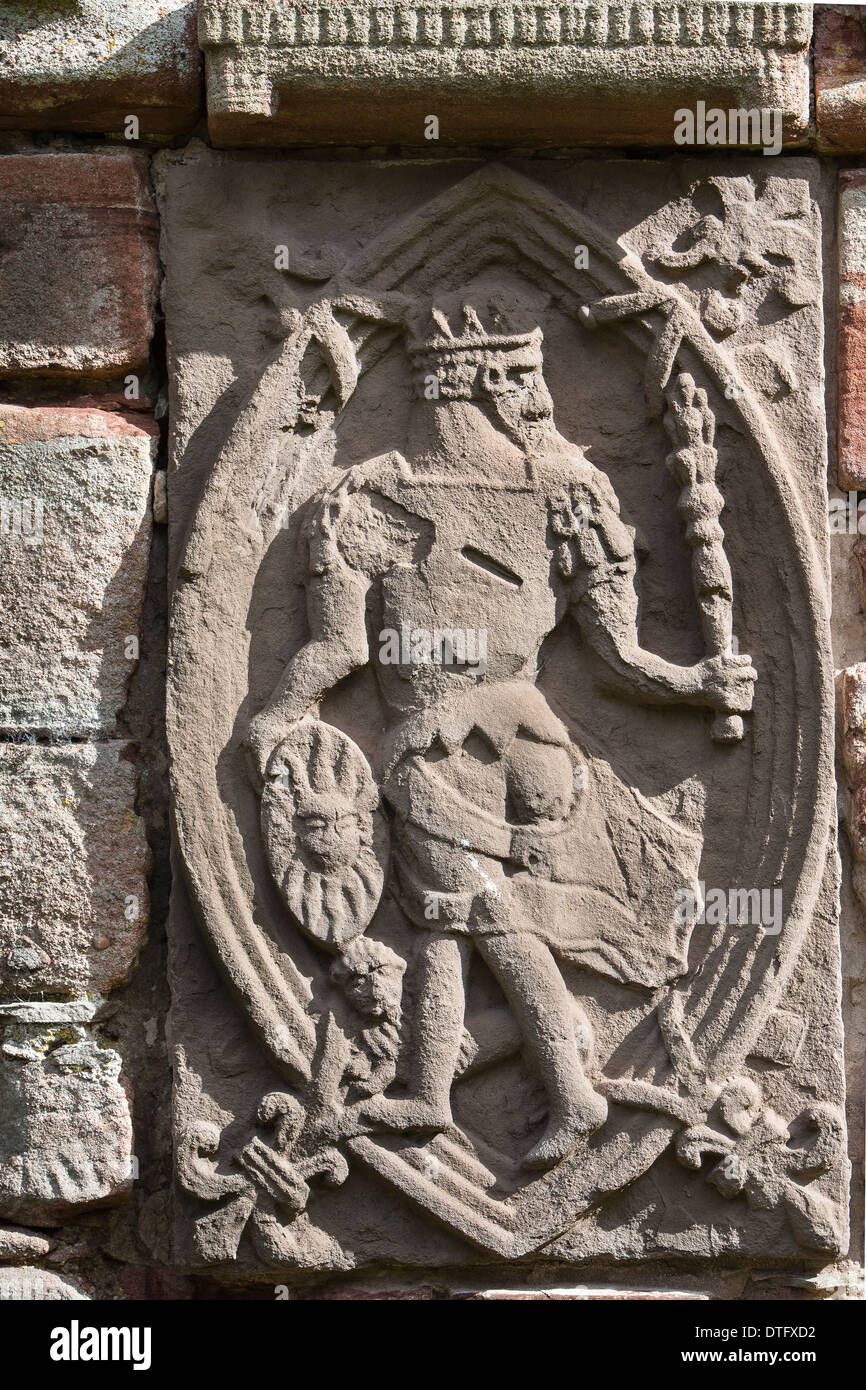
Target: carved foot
[(421, 1116), (564, 1133)]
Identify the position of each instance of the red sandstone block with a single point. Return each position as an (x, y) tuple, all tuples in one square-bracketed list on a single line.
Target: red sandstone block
[(840, 77), (78, 264), (346, 1293), (852, 329), (89, 417), (151, 1284)]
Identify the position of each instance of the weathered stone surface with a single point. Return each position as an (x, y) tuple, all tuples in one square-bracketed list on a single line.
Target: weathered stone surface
[(339, 1293), (26, 1284), (851, 688), (853, 725), (581, 1296), (153, 1284), (55, 1010), (849, 648), (16, 1243), (78, 269), (352, 1293), (65, 1126), (354, 71), (447, 878), (75, 526), (852, 329), (840, 78), (89, 64), (848, 558), (73, 882)]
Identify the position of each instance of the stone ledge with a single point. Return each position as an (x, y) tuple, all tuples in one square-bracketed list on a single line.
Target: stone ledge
[(502, 24), (52, 1011), (87, 65), (608, 74)]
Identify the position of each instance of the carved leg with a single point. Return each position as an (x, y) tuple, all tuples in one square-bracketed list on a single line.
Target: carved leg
[(437, 1031), (537, 993)]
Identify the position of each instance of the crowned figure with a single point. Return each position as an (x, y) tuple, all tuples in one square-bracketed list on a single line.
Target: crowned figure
[(445, 568)]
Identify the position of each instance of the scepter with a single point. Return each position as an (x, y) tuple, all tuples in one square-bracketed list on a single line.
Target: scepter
[(691, 426)]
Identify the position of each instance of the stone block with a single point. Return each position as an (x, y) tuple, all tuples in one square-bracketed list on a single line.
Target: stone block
[(852, 717), (840, 78), (75, 527), (78, 264), (65, 1124), (73, 883), (582, 1295), (26, 1284), (356, 72), (355, 1293), (851, 692), (149, 1283), (852, 329), (89, 64), (498, 522), (16, 1243)]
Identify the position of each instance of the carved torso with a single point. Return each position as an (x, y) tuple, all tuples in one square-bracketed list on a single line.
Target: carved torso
[(475, 560)]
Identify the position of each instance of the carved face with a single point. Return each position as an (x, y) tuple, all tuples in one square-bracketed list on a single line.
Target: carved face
[(378, 993), (514, 384), (331, 839), (324, 835)]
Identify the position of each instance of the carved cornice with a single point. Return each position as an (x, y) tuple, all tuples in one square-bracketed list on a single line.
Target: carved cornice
[(430, 24)]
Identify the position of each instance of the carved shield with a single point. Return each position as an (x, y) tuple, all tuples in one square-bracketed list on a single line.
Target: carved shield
[(688, 1027)]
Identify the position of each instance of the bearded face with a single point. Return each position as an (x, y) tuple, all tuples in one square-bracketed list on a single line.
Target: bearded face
[(513, 384)]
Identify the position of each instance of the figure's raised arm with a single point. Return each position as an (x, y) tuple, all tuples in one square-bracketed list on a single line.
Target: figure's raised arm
[(337, 644)]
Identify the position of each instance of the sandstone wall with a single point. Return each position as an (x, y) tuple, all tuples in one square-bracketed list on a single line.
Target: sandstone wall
[(221, 224)]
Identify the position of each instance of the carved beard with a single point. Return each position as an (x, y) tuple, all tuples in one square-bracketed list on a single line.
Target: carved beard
[(526, 418)]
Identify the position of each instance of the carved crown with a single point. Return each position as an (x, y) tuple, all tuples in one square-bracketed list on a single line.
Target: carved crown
[(454, 358), (474, 337)]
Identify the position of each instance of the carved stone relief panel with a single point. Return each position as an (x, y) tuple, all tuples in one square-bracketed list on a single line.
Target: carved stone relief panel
[(499, 704)]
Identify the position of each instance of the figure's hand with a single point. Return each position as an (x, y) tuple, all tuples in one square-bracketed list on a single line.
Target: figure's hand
[(261, 739), (571, 513), (688, 419), (728, 683)]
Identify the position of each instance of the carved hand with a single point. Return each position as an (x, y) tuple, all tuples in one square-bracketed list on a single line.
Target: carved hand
[(688, 419), (262, 737), (728, 682)]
